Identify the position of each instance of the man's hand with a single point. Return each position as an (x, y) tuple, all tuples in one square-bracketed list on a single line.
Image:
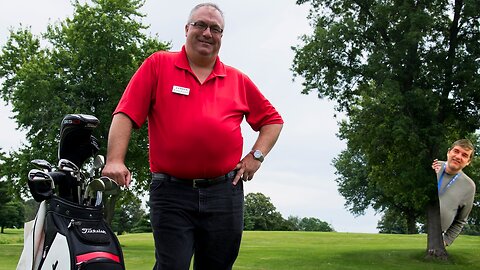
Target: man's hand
[(246, 168), (118, 172), (436, 166)]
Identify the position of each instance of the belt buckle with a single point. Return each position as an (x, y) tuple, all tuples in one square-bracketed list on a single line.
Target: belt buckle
[(194, 182)]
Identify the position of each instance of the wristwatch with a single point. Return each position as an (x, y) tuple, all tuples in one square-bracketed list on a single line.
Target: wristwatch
[(258, 155)]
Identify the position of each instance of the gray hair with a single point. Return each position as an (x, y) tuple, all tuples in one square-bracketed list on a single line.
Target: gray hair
[(212, 5)]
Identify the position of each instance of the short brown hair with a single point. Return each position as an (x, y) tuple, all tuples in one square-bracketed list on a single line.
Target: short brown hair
[(466, 144)]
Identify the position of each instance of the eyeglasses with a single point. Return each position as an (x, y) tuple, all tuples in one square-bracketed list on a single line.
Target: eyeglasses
[(215, 29)]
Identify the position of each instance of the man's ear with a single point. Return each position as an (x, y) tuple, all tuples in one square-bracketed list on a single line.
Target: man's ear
[(469, 161)]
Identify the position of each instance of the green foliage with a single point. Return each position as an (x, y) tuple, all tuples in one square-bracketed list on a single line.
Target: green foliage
[(5, 195), (309, 224), (79, 65), (395, 223), (12, 215), (143, 225), (293, 223), (128, 213), (31, 208), (261, 214), (11, 208), (312, 224)]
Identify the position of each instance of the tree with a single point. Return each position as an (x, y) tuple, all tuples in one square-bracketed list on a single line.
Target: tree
[(406, 76), (12, 215), (11, 209), (143, 225), (82, 65), (311, 224), (360, 192), (128, 213), (394, 223), (261, 214), (31, 208), (293, 223)]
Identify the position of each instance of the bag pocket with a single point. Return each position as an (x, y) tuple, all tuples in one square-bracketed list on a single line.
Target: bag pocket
[(98, 260), (90, 232)]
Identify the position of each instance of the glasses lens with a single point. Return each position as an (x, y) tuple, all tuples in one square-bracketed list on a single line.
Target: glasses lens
[(200, 25), (203, 26), (216, 29)]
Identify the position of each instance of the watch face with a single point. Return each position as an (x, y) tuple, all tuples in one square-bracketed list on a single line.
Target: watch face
[(258, 155)]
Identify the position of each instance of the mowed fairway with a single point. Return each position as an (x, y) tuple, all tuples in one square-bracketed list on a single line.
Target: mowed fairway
[(299, 250)]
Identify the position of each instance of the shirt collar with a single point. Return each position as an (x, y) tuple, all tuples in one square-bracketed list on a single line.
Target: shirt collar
[(182, 62)]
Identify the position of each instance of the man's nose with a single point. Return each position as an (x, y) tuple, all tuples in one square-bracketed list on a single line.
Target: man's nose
[(207, 32)]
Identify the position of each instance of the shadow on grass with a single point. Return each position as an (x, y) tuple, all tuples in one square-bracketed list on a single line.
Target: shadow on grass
[(402, 259)]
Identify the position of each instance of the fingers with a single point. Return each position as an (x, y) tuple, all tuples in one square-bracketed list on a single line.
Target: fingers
[(436, 166), (119, 173), (238, 176), (128, 179), (246, 170)]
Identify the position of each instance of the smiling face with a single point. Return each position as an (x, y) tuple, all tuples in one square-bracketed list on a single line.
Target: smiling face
[(458, 158), (204, 44)]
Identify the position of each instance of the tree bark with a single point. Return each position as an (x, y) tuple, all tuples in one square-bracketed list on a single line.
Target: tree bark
[(435, 246)]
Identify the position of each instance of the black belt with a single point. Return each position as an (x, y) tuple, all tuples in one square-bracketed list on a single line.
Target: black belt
[(198, 182)]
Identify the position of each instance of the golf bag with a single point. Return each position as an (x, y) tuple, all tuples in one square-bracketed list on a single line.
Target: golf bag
[(77, 237), (70, 231)]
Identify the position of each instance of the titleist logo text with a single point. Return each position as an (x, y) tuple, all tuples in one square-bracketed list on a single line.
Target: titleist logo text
[(91, 230)]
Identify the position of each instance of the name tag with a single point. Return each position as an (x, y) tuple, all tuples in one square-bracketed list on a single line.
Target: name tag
[(181, 90)]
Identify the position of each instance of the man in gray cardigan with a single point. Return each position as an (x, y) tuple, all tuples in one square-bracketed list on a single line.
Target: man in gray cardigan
[(456, 190)]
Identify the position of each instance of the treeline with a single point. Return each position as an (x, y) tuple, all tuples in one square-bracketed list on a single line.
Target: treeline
[(262, 215)]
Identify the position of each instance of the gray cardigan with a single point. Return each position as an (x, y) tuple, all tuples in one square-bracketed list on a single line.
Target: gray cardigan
[(456, 202)]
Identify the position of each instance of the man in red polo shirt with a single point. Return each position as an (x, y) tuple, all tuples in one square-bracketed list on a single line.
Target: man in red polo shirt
[(194, 105)]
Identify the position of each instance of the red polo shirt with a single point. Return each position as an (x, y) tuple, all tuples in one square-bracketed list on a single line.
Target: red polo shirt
[(194, 129)]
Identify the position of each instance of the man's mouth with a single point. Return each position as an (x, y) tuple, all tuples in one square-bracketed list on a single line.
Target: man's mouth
[(205, 41), (456, 161)]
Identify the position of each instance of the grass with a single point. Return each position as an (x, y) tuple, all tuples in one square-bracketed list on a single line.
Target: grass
[(299, 250)]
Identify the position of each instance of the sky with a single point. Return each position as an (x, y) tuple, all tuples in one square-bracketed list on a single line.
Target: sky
[(297, 175)]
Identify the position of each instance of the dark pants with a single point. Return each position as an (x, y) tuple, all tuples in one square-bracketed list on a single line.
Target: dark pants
[(207, 221)]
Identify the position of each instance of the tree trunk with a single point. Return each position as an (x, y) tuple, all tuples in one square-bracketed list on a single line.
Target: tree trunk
[(435, 246), (411, 224)]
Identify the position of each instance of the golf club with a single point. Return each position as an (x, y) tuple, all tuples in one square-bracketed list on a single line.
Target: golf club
[(98, 163), (42, 164), (94, 189), (68, 166), (40, 184)]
